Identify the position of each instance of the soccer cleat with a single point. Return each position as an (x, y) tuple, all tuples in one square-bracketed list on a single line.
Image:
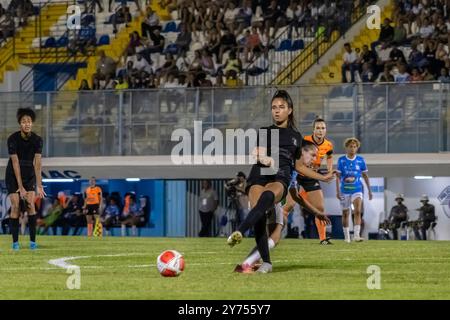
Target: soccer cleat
[(234, 239), (359, 239), (265, 268), (15, 246), (326, 242), (33, 245), (256, 265), (348, 240)]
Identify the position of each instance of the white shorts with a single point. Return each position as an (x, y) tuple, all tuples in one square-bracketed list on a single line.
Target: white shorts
[(347, 199), (278, 217)]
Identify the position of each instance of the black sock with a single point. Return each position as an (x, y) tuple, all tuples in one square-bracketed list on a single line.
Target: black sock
[(32, 226), (266, 200), (14, 226), (262, 239)]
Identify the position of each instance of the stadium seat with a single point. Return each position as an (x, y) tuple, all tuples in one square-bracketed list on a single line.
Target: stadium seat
[(297, 45), (50, 43), (62, 42), (285, 45), (171, 48), (310, 116), (103, 41), (170, 27)]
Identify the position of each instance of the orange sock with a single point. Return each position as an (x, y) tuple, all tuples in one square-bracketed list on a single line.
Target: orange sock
[(321, 229), (90, 226)]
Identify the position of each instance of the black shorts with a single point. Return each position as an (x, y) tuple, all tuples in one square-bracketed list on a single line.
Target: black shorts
[(28, 181), (309, 184), (92, 209), (255, 177)]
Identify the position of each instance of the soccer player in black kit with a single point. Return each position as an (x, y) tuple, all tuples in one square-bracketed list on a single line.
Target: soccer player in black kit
[(23, 173), (266, 190)]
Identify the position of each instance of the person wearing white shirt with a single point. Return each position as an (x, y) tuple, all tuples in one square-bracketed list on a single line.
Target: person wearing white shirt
[(349, 58), (142, 65), (427, 29)]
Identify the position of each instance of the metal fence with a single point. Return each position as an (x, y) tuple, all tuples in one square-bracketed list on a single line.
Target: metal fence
[(387, 118)]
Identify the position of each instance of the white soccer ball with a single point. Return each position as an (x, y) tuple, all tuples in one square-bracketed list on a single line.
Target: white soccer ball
[(170, 263)]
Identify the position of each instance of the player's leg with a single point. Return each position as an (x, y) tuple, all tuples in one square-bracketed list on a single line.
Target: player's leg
[(253, 195), (317, 200), (261, 238), (30, 197), (89, 221), (345, 206), (289, 205), (357, 201), (14, 219)]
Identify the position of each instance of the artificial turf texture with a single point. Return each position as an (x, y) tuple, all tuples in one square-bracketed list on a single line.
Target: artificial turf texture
[(125, 268)]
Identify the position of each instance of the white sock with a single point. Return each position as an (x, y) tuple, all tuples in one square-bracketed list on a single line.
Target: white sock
[(356, 231), (255, 256), (123, 231), (347, 233)]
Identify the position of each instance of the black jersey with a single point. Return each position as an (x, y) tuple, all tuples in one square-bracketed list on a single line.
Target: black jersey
[(25, 149), (289, 145)]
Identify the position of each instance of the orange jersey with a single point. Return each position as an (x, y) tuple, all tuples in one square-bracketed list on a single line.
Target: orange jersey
[(325, 149), (93, 195)]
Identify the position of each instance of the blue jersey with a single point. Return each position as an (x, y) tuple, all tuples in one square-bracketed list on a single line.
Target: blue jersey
[(351, 172)]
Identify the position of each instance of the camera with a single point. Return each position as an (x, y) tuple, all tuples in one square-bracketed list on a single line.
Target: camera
[(231, 185)]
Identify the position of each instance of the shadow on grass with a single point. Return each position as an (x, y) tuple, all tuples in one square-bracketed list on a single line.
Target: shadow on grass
[(292, 267)]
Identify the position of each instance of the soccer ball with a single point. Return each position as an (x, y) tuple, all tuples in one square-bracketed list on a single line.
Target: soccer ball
[(170, 263)]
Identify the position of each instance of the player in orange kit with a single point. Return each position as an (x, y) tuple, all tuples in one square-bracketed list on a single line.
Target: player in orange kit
[(312, 186)]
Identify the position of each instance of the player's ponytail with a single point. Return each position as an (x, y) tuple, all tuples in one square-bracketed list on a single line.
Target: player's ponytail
[(283, 94)]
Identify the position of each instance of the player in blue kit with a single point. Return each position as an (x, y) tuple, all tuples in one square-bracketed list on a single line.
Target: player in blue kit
[(349, 188)]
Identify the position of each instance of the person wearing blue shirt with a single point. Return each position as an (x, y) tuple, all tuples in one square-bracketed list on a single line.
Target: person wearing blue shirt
[(349, 189), (110, 215)]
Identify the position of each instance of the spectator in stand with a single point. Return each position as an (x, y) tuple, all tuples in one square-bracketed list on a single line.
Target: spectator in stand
[(367, 74), (233, 63), (230, 13), (141, 65), (135, 42), (396, 55), (386, 34), (213, 43), (252, 45), (400, 33), (244, 17), (427, 75), (214, 18), (402, 76), (156, 44), (111, 215), (106, 68), (350, 63), (89, 6), (416, 57), (168, 66), (124, 2), (427, 29), (150, 24), (121, 83), (274, 17), (184, 39), (122, 15), (367, 56), (260, 66), (385, 76), (415, 75), (183, 62), (7, 27), (227, 42), (207, 62), (444, 77)]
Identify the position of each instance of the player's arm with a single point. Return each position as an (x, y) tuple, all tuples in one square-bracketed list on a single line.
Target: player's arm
[(330, 163), (308, 172), (260, 155), (38, 173), (367, 180), (338, 187), (305, 203)]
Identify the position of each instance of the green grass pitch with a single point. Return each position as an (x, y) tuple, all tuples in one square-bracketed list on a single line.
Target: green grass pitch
[(125, 268)]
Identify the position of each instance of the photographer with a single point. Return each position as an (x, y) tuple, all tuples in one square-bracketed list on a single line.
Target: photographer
[(236, 194), (398, 215), (208, 204)]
